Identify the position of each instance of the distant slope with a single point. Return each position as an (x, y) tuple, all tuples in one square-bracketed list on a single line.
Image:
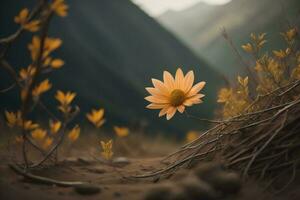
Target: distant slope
[(200, 27), (112, 49)]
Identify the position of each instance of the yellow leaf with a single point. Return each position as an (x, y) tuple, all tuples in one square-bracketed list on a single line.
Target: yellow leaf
[(43, 87), (38, 134), (22, 17), (57, 63), (54, 126), (65, 98), (121, 131), (74, 133), (96, 117), (107, 152), (60, 8), (248, 48)]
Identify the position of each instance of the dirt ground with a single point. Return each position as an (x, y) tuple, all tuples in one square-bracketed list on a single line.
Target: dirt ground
[(114, 181)]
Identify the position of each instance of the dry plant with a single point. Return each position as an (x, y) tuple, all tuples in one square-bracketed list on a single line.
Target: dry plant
[(32, 83), (258, 134)]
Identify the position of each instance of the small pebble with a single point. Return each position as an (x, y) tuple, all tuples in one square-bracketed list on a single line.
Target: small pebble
[(227, 182), (159, 193), (196, 189), (121, 161), (87, 189)]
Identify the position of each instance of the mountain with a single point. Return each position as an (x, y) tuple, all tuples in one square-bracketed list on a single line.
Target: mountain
[(112, 49), (200, 27)]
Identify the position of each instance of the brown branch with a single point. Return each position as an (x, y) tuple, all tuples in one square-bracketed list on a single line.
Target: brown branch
[(44, 180)]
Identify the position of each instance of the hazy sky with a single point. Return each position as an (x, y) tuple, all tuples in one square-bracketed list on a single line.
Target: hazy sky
[(157, 7)]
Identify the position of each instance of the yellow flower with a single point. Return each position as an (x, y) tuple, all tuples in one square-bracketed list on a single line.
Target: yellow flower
[(121, 131), (248, 48), (50, 45), (15, 119), (38, 134), (282, 54), (29, 125), (74, 133), (11, 118), (243, 82), (65, 98), (174, 94), (47, 143), (60, 8), (23, 18), (27, 73), (290, 34), (261, 36), (107, 152), (57, 63), (224, 95), (54, 126), (191, 136), (44, 86), (96, 117)]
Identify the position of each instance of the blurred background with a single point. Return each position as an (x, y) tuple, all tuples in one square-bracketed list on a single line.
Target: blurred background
[(112, 49)]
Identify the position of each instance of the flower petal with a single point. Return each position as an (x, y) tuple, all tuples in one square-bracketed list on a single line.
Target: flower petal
[(196, 88), (171, 112), (169, 80), (156, 106), (181, 109), (156, 92), (163, 111), (188, 81), (160, 86), (179, 79), (156, 99), (193, 100)]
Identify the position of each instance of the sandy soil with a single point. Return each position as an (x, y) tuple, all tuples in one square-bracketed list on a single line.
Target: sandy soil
[(113, 181)]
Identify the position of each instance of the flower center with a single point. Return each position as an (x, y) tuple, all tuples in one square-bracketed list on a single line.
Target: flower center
[(177, 97)]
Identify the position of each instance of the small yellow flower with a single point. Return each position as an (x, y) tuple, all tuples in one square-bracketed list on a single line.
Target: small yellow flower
[(27, 73), (44, 86), (57, 63), (50, 45), (22, 19), (29, 125), (60, 8), (224, 95), (248, 48), (47, 143), (174, 93), (121, 131), (243, 82), (11, 118), (290, 34), (191, 136), (65, 98), (107, 152), (54, 126), (280, 54), (74, 133), (261, 36), (38, 134), (96, 117)]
